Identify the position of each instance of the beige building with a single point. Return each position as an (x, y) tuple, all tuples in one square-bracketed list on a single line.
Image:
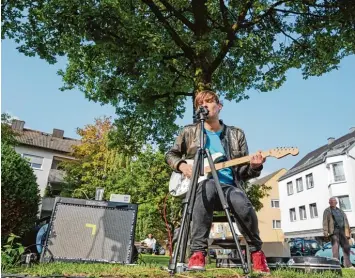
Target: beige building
[(270, 215)]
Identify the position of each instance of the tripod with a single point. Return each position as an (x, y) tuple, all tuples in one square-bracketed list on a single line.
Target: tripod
[(188, 202)]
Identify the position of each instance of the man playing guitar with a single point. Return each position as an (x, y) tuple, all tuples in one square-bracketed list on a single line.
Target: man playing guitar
[(231, 142)]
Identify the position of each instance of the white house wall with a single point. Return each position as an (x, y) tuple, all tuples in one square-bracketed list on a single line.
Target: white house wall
[(318, 194), (350, 171), (345, 187), (324, 187), (41, 174)]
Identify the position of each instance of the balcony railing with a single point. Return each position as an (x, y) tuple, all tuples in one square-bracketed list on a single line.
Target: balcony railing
[(56, 176)]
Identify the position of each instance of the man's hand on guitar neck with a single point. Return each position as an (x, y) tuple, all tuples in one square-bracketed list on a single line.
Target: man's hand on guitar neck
[(186, 169), (257, 160)]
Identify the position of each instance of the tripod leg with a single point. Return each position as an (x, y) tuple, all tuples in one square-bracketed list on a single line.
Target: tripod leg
[(226, 209), (186, 216)]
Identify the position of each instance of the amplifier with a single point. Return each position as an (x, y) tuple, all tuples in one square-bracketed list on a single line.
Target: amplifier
[(90, 231)]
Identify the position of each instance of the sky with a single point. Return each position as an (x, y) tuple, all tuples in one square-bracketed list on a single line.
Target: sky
[(302, 113)]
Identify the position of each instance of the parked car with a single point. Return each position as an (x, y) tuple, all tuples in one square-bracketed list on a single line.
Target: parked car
[(326, 251), (304, 247)]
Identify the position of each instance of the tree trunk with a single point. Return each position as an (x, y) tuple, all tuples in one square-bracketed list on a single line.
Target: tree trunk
[(203, 81)]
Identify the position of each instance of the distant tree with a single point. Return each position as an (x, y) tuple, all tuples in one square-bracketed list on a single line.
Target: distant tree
[(94, 161), (255, 193), (146, 179), (8, 135)]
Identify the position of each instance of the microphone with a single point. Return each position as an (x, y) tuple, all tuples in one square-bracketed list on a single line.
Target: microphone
[(201, 113), (204, 110)]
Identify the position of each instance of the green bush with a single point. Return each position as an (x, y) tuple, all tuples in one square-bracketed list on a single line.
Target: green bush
[(11, 253), (19, 194)]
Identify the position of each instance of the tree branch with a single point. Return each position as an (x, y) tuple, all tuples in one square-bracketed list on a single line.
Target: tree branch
[(224, 13), (283, 32), (230, 36), (199, 9), (178, 15), (185, 48), (156, 97), (266, 13), (299, 13)]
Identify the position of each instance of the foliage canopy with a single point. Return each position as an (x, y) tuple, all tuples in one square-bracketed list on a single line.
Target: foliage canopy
[(146, 57)]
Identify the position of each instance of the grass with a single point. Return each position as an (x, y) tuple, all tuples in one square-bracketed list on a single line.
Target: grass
[(150, 266)]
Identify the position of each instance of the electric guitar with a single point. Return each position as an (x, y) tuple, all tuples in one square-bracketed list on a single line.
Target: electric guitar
[(179, 185)]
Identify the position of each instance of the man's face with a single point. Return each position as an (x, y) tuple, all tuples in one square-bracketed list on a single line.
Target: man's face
[(333, 202), (150, 235), (212, 106)]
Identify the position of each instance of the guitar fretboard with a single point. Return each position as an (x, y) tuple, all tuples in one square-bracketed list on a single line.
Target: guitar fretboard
[(233, 162)]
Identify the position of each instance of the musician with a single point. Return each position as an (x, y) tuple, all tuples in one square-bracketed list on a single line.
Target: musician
[(231, 142)]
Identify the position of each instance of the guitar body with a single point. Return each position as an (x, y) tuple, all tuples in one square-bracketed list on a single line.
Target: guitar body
[(179, 185)]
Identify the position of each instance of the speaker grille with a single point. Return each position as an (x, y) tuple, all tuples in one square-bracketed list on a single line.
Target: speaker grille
[(90, 233)]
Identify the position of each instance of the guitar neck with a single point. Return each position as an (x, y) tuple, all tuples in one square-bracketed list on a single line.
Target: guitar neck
[(233, 162)]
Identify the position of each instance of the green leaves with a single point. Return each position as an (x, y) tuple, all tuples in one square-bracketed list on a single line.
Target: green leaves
[(11, 252), (256, 193), (147, 58), (8, 135), (19, 194)]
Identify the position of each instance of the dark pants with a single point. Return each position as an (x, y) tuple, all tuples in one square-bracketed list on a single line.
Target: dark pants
[(207, 200), (339, 238)]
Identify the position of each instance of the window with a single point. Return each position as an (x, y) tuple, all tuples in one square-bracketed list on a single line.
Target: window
[(338, 171), (289, 188), (293, 215), (344, 202), (275, 203), (313, 210), (34, 161), (276, 224), (299, 185), (303, 214), (309, 181)]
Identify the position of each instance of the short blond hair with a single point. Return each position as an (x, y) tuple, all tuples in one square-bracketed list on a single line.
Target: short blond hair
[(205, 94)]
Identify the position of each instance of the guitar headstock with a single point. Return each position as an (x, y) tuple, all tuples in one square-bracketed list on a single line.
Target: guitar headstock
[(281, 152)]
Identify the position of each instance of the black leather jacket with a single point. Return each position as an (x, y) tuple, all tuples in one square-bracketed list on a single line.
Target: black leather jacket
[(233, 141)]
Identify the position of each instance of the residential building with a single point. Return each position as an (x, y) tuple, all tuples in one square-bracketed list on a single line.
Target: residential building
[(270, 215), (44, 151), (328, 171)]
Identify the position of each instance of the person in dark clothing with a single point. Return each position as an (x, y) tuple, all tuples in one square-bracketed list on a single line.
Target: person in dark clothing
[(231, 142), (336, 226)]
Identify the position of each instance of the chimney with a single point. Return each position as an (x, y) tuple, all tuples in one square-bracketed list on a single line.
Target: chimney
[(58, 133), (330, 140), (352, 129), (17, 125)]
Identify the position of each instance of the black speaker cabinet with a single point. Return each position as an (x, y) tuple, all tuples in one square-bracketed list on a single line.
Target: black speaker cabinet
[(90, 231)]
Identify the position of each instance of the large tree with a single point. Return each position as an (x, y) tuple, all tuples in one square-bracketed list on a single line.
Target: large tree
[(146, 57)]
